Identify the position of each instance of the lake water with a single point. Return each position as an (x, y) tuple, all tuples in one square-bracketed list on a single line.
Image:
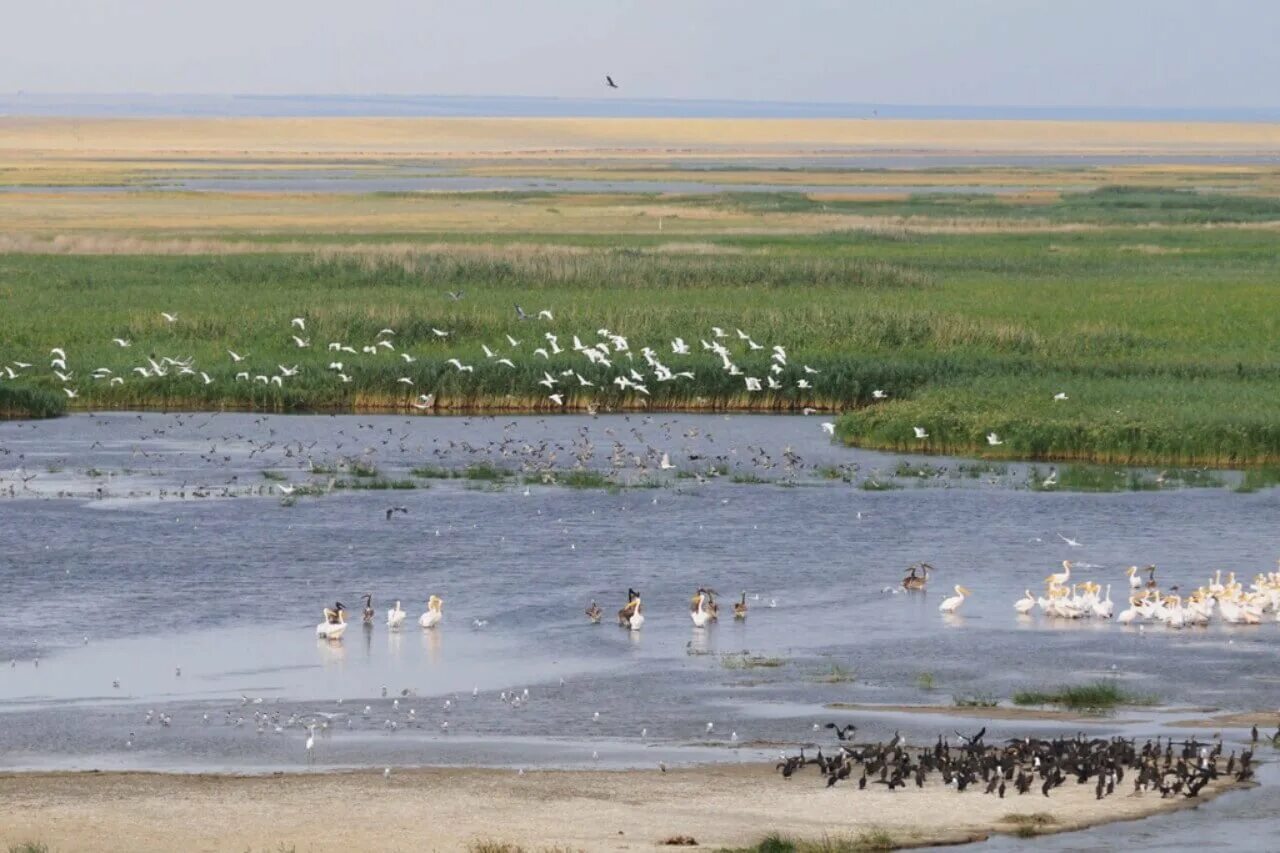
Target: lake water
[(155, 551)]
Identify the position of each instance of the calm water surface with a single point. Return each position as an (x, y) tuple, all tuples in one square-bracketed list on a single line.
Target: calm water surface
[(153, 552)]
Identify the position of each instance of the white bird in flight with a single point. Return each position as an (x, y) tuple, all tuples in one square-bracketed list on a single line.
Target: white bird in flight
[(829, 428), (993, 439), (169, 318), (1061, 395), (920, 432)]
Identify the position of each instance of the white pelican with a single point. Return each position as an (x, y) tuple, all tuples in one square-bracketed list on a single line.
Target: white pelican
[(699, 613), (952, 604), (637, 617), (1135, 582), (1060, 578), (1025, 604), (1130, 613), (395, 616), (435, 612), (1103, 609), (334, 624)]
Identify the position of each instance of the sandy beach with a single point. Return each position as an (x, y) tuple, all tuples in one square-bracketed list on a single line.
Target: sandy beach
[(449, 809)]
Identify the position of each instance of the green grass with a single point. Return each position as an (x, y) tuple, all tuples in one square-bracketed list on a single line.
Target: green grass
[(836, 675), (926, 681), (29, 847), (376, 484), (974, 700), (1163, 338), (1100, 696)]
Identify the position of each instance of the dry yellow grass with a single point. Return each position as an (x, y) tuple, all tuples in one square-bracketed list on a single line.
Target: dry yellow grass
[(362, 138)]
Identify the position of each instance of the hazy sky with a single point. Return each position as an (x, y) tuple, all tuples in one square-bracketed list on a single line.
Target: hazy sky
[(1152, 53)]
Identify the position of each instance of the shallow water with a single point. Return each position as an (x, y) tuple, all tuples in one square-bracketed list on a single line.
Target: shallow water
[(116, 571)]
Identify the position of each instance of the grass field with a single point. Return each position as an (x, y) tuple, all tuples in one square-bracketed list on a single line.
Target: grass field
[(1152, 307)]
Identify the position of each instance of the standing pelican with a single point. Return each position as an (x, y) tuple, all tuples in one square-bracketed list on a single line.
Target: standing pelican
[(637, 615), (1135, 582), (1025, 604), (1060, 578), (435, 612), (699, 612), (1103, 609), (740, 608), (594, 612), (952, 604), (368, 609), (624, 615), (334, 624), (395, 616)]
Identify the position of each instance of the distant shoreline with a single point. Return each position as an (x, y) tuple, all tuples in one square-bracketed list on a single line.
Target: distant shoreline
[(618, 106)]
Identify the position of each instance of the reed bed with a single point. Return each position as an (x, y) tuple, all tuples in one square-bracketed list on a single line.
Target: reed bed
[(1166, 350)]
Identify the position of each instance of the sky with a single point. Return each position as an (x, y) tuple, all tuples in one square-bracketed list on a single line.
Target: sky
[(1099, 53)]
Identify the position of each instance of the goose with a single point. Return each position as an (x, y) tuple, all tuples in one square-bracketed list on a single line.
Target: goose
[(334, 624), (395, 616), (1025, 604), (740, 607), (367, 615), (435, 612), (952, 604)]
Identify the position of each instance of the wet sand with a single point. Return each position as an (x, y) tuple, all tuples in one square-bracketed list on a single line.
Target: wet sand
[(448, 809), (983, 713)]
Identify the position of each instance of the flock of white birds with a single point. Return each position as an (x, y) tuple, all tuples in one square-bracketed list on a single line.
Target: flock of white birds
[(632, 370), (1229, 600)]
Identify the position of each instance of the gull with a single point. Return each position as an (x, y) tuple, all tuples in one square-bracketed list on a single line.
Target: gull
[(542, 352), (582, 382), (993, 439), (287, 490), (810, 370), (236, 357), (169, 318), (382, 332), (58, 351), (121, 342), (335, 365), (829, 428), (301, 342), (512, 341), (1061, 395), (803, 384), (344, 377), (544, 314), (665, 464), (244, 374), (70, 394), (405, 380), (752, 345), (920, 433), (116, 380), (508, 362), (408, 359), (464, 368), (21, 365), (549, 380), (59, 362), (208, 380), (64, 377), (1070, 542), (288, 371), (299, 323), (717, 332), (774, 384), (425, 401), (742, 336), (439, 333), (558, 399)]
